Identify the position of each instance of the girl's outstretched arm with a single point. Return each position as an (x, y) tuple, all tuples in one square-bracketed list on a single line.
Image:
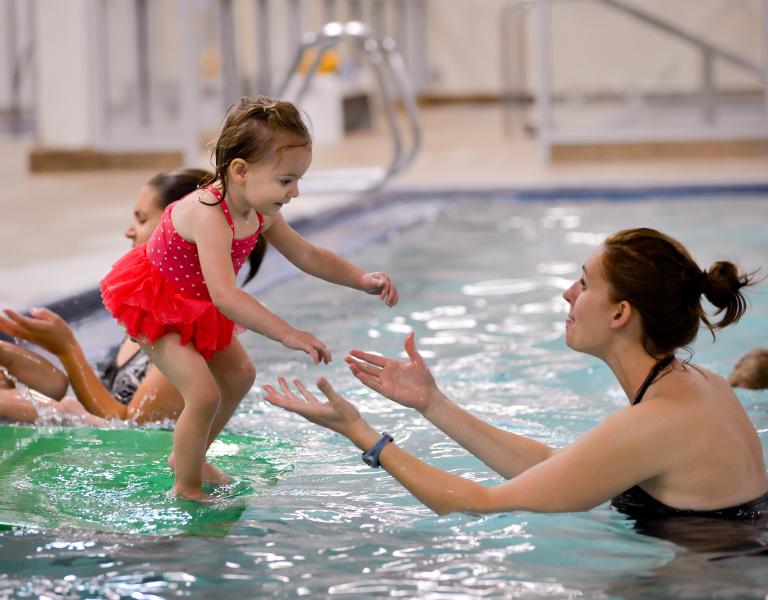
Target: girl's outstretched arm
[(214, 242), (48, 330), (412, 385), (324, 264), (601, 464)]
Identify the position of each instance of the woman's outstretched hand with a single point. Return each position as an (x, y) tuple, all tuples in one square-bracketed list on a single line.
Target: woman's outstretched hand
[(337, 414), (408, 383), (44, 328), (381, 285)]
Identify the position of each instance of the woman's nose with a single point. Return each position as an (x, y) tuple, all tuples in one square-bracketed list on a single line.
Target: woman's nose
[(130, 232), (568, 294)]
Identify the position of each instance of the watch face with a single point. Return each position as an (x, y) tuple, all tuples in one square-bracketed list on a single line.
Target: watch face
[(368, 460)]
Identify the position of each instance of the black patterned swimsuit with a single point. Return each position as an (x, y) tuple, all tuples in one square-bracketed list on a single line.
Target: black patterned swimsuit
[(123, 381)]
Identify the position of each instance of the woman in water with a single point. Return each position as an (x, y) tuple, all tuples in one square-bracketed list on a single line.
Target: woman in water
[(683, 445)]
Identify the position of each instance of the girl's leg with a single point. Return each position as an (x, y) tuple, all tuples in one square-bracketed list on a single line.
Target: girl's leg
[(33, 370), (234, 373), (189, 372)]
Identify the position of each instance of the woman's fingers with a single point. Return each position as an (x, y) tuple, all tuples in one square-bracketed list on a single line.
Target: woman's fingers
[(361, 366), (286, 388), (44, 313), (325, 386), (374, 359), (304, 391), (8, 327), (371, 381), (410, 349)]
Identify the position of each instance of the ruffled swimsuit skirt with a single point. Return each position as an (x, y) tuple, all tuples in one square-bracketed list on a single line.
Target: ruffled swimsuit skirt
[(157, 288)]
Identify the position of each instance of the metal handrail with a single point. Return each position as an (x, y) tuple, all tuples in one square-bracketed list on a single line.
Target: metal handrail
[(678, 32), (391, 75), (512, 72), (518, 9)]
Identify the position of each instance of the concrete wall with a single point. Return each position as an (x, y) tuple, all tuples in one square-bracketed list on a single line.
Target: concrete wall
[(595, 48), (15, 36)]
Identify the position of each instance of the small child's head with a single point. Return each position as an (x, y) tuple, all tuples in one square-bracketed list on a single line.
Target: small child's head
[(257, 130), (751, 370)]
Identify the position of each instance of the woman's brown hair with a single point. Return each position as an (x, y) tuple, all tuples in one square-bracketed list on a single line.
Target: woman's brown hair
[(658, 277)]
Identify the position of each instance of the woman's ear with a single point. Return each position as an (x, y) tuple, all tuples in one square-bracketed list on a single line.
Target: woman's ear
[(621, 315)]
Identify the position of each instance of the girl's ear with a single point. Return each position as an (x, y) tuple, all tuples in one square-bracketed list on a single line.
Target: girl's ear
[(621, 315), (238, 169)]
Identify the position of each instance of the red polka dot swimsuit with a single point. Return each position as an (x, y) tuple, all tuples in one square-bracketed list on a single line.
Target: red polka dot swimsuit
[(158, 288)]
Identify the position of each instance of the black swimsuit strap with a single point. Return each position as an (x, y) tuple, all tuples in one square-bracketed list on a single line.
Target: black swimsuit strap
[(653, 373)]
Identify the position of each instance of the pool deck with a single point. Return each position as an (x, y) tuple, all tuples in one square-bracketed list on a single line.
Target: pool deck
[(60, 232)]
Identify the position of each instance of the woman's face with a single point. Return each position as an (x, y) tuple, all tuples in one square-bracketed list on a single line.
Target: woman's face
[(146, 216), (587, 328)]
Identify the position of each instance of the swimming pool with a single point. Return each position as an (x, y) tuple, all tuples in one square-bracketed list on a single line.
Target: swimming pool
[(481, 286)]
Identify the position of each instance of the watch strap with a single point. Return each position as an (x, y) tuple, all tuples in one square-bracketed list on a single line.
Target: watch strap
[(371, 457)]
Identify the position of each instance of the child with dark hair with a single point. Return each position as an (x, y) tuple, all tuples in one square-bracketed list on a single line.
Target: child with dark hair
[(177, 296)]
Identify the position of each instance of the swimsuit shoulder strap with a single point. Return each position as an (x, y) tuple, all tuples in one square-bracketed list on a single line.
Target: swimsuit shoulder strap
[(217, 192), (650, 378)]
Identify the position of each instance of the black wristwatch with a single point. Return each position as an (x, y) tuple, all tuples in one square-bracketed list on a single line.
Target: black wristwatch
[(371, 457)]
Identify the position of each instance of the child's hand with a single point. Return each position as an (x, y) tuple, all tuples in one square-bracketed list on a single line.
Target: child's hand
[(305, 341), (381, 284)]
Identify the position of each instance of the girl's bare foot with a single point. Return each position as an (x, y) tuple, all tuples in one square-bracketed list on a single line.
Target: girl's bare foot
[(211, 475), (196, 495)]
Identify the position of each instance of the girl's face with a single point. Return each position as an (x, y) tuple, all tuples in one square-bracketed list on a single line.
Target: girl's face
[(270, 185), (146, 216), (587, 328)]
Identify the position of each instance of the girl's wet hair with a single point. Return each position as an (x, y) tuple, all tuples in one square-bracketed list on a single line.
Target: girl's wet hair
[(657, 275), (257, 129), (174, 185)]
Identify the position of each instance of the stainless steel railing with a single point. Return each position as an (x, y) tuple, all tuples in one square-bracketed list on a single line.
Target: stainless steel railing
[(513, 21), (394, 88)]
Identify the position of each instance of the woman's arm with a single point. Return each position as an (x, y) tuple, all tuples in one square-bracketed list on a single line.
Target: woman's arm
[(412, 385), (48, 330), (601, 464), (324, 264), (30, 368)]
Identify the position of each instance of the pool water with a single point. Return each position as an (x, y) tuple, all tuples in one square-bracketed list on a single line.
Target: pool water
[(481, 286)]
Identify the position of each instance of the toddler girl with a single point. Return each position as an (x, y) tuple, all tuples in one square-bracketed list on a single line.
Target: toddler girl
[(177, 294)]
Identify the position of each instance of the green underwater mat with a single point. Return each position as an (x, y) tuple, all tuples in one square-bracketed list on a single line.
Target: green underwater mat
[(117, 480)]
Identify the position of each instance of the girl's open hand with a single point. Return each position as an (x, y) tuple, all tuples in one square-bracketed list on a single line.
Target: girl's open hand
[(408, 383), (337, 414), (44, 328), (306, 342), (380, 284)]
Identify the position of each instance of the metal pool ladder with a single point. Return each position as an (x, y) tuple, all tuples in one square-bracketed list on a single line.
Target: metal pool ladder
[(394, 86)]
